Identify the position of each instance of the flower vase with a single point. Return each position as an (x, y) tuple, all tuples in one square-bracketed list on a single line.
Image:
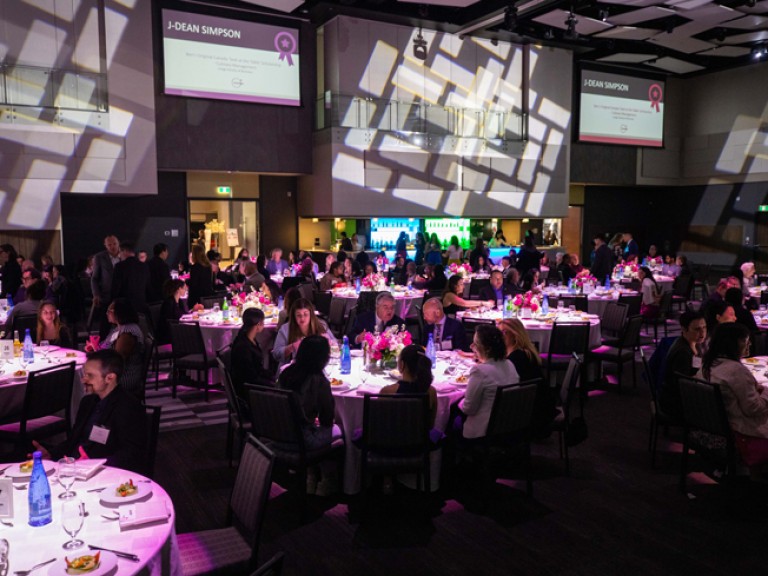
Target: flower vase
[(388, 363), (525, 313)]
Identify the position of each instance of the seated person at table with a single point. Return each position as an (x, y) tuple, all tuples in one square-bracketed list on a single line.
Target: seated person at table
[(718, 313), (261, 266), (416, 378), (397, 272), (50, 328), (481, 265), (576, 265), (253, 280), (530, 281), (369, 268), (649, 306), (220, 278), (437, 279), (334, 276), (491, 371), (735, 298), (497, 290), (565, 270), (684, 357), (291, 296), (276, 264), (746, 400), (247, 359), (453, 300), (670, 267), (302, 322), (376, 320), (525, 357), (748, 279), (306, 378), (35, 294), (174, 306), (448, 333), (127, 339), (110, 422)]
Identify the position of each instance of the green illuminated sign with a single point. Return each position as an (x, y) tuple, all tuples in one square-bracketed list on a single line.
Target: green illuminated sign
[(223, 190)]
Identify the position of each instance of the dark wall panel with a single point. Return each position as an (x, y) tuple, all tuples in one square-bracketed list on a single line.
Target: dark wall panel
[(145, 220), (278, 213), (599, 164), (199, 134)]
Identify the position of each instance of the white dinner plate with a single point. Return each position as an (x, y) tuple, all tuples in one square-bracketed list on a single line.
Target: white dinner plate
[(109, 496), (340, 388), (16, 474), (107, 562)]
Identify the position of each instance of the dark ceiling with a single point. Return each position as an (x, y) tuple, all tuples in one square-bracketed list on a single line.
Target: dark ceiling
[(678, 37)]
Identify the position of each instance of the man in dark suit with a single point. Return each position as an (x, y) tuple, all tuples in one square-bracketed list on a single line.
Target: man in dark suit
[(159, 273), (110, 422), (101, 281), (631, 248), (497, 290), (602, 265), (448, 333), (379, 320), (131, 278)]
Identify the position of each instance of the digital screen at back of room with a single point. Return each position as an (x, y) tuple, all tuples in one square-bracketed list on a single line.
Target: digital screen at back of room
[(619, 109), (224, 59)]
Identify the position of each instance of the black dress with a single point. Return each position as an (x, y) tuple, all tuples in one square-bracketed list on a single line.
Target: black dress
[(170, 310), (248, 367), (200, 283)]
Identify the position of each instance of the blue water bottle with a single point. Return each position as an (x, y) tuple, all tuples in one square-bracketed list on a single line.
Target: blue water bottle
[(39, 494), (28, 348), (607, 281), (357, 285), (346, 357), (570, 286), (10, 302), (545, 304), (431, 349)]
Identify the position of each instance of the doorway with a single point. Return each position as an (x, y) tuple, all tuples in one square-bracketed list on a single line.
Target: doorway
[(226, 226)]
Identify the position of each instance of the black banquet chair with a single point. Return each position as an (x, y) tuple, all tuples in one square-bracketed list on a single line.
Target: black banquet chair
[(189, 353), (234, 549)]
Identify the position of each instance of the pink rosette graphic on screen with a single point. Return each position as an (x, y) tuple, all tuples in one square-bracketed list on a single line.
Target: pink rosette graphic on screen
[(285, 44), (654, 95)]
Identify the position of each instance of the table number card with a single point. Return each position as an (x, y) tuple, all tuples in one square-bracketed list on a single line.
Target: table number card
[(6, 349), (6, 498)]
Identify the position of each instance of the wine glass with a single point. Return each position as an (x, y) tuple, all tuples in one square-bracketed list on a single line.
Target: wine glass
[(72, 515), (67, 471), (45, 347)]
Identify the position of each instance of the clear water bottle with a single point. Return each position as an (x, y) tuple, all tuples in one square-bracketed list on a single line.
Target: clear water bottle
[(346, 357), (545, 304), (507, 313), (225, 310), (431, 354), (28, 348), (39, 494), (570, 286)]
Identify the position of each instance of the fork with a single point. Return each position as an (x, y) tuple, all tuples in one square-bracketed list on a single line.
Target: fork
[(35, 567)]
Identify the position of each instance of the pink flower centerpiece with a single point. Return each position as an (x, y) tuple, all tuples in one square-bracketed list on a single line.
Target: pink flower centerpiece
[(372, 282), (386, 346), (462, 270), (527, 304)]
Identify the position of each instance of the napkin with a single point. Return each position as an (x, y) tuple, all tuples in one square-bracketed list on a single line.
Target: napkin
[(87, 468), (142, 513)]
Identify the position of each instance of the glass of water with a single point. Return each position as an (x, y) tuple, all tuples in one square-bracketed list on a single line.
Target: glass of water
[(67, 472), (72, 515)]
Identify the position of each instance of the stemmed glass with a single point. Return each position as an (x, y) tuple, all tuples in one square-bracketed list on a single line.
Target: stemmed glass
[(72, 515), (45, 347), (67, 472)]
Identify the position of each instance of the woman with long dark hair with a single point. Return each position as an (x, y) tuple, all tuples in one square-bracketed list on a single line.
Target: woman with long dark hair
[(453, 300), (416, 377), (649, 308), (200, 275), (247, 364)]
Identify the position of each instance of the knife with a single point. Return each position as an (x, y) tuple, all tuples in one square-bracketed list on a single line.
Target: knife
[(125, 555)]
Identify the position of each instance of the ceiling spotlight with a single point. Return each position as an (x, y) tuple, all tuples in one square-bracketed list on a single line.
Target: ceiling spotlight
[(670, 26), (720, 34), (570, 30), (494, 41), (549, 34), (419, 47), (510, 17), (423, 11), (604, 13), (751, 3)]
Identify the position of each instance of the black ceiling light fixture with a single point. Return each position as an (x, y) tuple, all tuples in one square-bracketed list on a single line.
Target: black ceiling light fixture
[(570, 27), (604, 13), (549, 34), (751, 3), (510, 17), (419, 47)]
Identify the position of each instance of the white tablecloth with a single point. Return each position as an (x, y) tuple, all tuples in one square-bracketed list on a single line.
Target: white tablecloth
[(154, 544), (540, 331), (349, 409), (596, 301), (404, 300), (12, 391)]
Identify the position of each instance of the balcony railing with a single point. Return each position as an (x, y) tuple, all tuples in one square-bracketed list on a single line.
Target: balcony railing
[(339, 111), (36, 87)]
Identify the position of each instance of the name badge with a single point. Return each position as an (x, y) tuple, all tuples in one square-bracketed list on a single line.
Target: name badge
[(697, 362), (99, 434), (6, 349), (6, 498), (446, 345)]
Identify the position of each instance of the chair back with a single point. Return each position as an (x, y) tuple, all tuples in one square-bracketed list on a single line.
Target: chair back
[(323, 303), (336, 315), (630, 336), (633, 301), (24, 322), (145, 324), (579, 301), (186, 339), (153, 432), (569, 337), (512, 409), (350, 320), (476, 286), (683, 286), (614, 317), (209, 301), (48, 391), (703, 407), (396, 421), (276, 415), (414, 323), (366, 302), (570, 381), (307, 290), (155, 309), (251, 492), (665, 305), (433, 294), (651, 379), (292, 282), (236, 406), (146, 363)]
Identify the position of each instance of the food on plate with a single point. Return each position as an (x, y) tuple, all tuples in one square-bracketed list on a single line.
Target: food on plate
[(83, 564), (336, 382), (126, 489), (751, 360), (20, 373), (461, 379), (26, 466), (71, 355)]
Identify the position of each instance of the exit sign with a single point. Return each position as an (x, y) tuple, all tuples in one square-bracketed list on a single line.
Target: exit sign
[(228, 190)]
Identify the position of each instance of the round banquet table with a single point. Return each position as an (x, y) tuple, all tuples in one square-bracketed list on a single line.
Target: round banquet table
[(596, 301), (404, 299), (540, 331), (349, 408), (155, 543), (12, 390)]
